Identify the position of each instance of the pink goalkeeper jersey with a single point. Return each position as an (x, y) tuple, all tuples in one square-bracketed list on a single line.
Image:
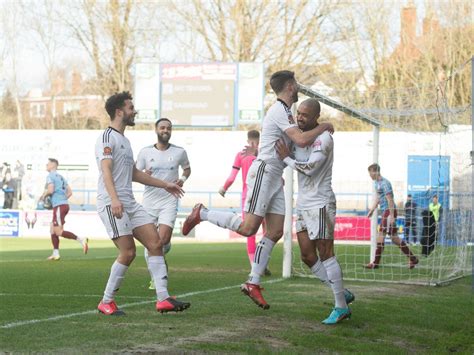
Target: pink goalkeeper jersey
[(241, 162)]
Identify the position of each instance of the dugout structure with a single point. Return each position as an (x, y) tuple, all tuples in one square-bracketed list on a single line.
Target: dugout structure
[(435, 134)]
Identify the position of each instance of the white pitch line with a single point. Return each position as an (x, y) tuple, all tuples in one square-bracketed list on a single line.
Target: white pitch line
[(85, 258), (126, 305), (63, 295)]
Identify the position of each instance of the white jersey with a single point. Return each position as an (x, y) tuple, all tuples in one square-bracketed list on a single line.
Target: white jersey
[(314, 166), (164, 165), (114, 145), (277, 120)]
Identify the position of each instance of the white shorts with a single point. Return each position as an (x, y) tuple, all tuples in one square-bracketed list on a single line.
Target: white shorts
[(165, 214), (265, 190), (318, 222), (134, 215)]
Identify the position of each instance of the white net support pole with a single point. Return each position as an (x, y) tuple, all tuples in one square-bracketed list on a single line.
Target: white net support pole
[(288, 226), (373, 221)]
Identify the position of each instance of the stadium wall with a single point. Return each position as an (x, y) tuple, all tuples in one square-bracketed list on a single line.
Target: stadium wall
[(212, 153)]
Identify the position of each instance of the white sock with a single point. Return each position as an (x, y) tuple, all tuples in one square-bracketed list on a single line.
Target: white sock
[(203, 213), (260, 262), (159, 273), (117, 274), (319, 271), (55, 252), (334, 273), (80, 240), (228, 220)]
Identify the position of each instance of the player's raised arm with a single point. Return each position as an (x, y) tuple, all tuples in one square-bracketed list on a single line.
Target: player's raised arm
[(308, 167), (145, 179), (303, 139)]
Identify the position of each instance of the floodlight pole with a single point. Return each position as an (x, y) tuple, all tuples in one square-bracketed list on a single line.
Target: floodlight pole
[(373, 220)]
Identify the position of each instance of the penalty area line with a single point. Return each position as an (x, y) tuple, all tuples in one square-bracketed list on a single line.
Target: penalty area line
[(126, 305)]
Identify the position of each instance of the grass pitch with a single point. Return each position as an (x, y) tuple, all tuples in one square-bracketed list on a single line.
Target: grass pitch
[(50, 307)]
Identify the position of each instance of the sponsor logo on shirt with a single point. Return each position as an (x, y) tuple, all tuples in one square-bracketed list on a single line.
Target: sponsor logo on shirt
[(316, 144)]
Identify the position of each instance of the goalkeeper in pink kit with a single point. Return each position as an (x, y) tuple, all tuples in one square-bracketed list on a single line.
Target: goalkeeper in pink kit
[(243, 160)]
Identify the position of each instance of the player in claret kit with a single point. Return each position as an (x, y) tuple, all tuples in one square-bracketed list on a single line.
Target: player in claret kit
[(265, 197), (316, 208), (384, 198), (59, 191), (123, 217)]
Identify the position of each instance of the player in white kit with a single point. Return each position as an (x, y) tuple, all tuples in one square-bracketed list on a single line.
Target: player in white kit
[(123, 217), (316, 207), (265, 197), (162, 161)]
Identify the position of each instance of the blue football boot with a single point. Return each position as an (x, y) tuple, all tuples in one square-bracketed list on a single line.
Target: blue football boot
[(337, 315)]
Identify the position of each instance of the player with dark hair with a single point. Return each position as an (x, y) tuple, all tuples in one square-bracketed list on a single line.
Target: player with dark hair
[(123, 217), (59, 191), (162, 161), (265, 198), (384, 198), (243, 160), (316, 208)]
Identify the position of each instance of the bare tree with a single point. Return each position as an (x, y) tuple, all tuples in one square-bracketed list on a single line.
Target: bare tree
[(44, 29), (112, 32), (414, 72), (282, 34), (11, 31)]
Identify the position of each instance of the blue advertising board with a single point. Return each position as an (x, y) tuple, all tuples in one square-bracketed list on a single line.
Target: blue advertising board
[(428, 175), (9, 223)]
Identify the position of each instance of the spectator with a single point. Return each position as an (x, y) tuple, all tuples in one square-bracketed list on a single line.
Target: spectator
[(19, 173), (437, 210), (410, 219), (8, 186), (428, 237)]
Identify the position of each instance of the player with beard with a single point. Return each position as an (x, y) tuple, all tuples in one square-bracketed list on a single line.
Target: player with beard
[(162, 161), (123, 217), (265, 197), (316, 208)]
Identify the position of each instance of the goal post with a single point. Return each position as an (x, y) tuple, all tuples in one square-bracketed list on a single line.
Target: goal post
[(406, 154)]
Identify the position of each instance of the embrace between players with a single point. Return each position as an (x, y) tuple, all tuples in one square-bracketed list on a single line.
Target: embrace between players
[(305, 145)]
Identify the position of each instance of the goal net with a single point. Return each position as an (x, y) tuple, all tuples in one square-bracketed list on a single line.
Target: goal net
[(421, 138)]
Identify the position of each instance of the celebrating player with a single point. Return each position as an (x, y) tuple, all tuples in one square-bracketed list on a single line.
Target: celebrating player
[(384, 198), (265, 198), (60, 191), (244, 160), (122, 216), (316, 207), (162, 161)]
